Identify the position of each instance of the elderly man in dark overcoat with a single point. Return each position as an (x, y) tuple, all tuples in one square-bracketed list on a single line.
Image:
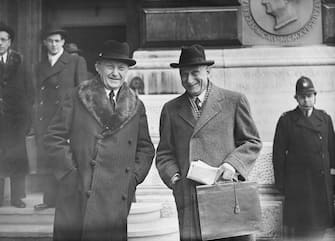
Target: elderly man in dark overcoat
[(57, 73), (99, 145), (205, 123), (303, 155), (14, 118)]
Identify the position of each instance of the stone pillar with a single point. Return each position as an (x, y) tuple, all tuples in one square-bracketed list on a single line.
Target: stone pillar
[(28, 34)]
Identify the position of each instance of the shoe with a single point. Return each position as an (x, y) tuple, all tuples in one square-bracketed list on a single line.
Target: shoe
[(18, 203), (41, 206)]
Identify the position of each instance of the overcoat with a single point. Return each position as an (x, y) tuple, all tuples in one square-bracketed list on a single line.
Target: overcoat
[(303, 153), (225, 132), (99, 156), (14, 116), (52, 84)]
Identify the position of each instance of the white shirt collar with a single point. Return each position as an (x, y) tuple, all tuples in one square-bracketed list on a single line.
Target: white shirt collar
[(5, 55), (201, 97), (54, 58), (115, 93)]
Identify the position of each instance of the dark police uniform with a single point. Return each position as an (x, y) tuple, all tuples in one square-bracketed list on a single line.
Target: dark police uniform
[(303, 153)]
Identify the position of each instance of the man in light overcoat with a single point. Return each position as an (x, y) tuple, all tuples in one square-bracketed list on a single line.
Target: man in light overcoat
[(205, 123), (99, 146)]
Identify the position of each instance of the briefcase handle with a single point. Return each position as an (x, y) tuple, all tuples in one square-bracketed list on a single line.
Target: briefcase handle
[(235, 180)]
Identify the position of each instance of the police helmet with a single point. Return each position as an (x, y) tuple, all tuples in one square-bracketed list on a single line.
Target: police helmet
[(304, 86)]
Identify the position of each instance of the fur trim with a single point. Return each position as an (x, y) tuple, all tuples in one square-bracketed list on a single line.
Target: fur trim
[(93, 96)]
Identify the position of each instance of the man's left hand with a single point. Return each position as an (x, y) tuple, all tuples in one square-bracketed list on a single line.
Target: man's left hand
[(226, 172)]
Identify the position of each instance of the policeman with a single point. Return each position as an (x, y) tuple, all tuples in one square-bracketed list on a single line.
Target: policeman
[(303, 155)]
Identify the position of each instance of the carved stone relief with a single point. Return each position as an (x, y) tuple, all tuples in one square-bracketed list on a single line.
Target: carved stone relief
[(281, 20)]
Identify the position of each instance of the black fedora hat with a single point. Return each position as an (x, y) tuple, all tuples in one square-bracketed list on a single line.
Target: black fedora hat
[(72, 48), (114, 50), (192, 55), (4, 27), (53, 29)]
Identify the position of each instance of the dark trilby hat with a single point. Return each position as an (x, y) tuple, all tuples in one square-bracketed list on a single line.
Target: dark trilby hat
[(72, 48), (304, 86), (192, 55), (53, 29), (114, 50), (4, 27)]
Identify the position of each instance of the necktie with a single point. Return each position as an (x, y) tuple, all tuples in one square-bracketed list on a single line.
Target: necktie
[(306, 113), (111, 99), (197, 103)]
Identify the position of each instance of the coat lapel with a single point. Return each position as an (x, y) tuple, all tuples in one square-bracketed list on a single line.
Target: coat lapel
[(47, 70), (11, 65), (185, 110), (210, 109), (314, 122), (93, 96)]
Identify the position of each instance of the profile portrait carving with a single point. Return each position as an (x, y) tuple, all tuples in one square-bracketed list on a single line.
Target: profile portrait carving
[(282, 10), (281, 20)]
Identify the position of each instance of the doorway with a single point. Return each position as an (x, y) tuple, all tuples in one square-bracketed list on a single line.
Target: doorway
[(90, 39)]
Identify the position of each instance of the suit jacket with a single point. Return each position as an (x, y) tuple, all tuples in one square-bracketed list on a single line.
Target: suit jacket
[(303, 153), (225, 132), (52, 84), (99, 156), (14, 116)]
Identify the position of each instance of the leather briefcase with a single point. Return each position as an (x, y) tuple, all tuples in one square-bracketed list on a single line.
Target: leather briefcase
[(229, 209)]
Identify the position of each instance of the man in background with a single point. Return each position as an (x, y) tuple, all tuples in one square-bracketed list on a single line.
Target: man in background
[(303, 155), (14, 119), (57, 73)]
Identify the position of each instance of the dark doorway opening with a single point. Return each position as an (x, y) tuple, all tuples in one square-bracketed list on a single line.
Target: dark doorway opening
[(90, 39)]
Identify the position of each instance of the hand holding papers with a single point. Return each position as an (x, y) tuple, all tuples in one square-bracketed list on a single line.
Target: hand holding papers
[(202, 172)]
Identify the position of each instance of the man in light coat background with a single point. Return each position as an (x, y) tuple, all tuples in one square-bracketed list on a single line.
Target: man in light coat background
[(100, 148), (205, 123), (57, 73)]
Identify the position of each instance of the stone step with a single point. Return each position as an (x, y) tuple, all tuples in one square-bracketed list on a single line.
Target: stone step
[(165, 229), (139, 212), (25, 231)]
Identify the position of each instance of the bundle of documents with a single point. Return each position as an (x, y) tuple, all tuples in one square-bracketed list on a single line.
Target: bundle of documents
[(202, 172)]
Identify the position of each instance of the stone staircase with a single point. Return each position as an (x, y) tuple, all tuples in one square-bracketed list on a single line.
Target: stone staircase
[(145, 222)]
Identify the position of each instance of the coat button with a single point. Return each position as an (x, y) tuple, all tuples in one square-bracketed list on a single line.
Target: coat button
[(43, 87), (129, 142), (124, 197), (57, 86), (57, 102), (41, 118), (88, 193), (127, 169), (41, 103), (93, 163)]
